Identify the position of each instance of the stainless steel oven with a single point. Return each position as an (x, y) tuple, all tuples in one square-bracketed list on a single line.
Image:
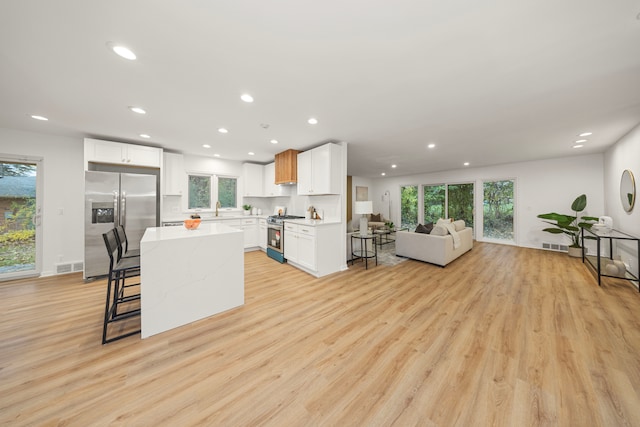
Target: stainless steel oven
[(276, 237)]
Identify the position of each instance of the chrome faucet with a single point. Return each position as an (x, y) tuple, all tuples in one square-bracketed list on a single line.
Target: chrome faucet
[(217, 207)]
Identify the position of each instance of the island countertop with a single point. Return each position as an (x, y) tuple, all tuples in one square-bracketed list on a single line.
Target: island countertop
[(156, 234), (188, 275)]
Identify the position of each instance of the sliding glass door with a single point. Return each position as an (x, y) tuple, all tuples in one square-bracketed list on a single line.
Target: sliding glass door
[(409, 206), (435, 202), (460, 202), (19, 219), (498, 210)]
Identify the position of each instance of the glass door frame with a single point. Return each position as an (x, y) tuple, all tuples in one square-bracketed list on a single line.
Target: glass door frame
[(37, 218)]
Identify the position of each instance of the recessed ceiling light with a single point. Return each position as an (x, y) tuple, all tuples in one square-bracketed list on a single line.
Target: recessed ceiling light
[(586, 134), (580, 141), (223, 130), (578, 146), (216, 155), (144, 135), (274, 141), (312, 121), (251, 153), (137, 110), (466, 163), (383, 173), (394, 166), (431, 145), (39, 118), (206, 145), (122, 51), (246, 97)]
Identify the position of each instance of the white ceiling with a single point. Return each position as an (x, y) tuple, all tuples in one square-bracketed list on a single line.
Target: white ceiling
[(488, 82)]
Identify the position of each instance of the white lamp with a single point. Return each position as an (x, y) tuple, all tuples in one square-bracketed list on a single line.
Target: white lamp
[(364, 208)]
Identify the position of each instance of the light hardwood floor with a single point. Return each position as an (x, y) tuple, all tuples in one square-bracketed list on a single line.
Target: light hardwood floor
[(503, 336)]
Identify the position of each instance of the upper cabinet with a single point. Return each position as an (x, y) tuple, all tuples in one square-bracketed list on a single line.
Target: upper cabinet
[(286, 167), (253, 179), (175, 177), (271, 189), (319, 170), (99, 151)]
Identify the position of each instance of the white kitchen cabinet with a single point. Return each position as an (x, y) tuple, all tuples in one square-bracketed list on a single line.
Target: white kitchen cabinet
[(118, 153), (319, 170), (175, 177), (300, 245), (270, 187), (262, 233), (291, 242), (250, 228), (253, 180)]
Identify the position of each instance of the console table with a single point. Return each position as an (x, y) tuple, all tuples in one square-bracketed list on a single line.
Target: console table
[(364, 252), (599, 261)]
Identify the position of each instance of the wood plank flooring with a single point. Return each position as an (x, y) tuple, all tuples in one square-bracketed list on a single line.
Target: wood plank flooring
[(503, 336)]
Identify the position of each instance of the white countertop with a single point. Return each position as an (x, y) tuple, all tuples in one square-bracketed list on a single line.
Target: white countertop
[(155, 234), (213, 218), (313, 222)]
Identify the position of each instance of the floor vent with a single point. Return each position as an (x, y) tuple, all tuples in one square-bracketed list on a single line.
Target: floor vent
[(68, 267), (63, 268), (555, 247)]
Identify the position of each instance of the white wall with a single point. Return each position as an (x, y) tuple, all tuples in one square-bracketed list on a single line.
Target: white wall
[(541, 187), (357, 181), (63, 173), (625, 154)]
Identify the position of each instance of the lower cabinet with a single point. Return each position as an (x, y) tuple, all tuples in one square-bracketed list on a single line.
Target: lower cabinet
[(300, 245), (250, 229), (262, 233)]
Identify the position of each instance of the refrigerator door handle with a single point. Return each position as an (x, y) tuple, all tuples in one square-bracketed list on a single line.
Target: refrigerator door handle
[(116, 212), (124, 210)]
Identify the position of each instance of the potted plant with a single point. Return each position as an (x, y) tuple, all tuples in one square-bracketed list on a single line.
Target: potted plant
[(389, 225), (247, 209), (570, 225)]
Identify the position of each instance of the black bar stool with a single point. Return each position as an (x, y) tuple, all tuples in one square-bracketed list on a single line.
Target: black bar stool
[(120, 269), (123, 244)]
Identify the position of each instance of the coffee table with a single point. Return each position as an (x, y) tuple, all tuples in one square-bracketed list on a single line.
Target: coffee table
[(388, 235)]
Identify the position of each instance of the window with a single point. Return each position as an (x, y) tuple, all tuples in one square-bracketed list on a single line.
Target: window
[(409, 206), (460, 202), (199, 192), (434, 202), (205, 190), (498, 210), (227, 192)]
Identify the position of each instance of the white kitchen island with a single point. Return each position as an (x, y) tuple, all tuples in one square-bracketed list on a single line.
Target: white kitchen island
[(188, 275)]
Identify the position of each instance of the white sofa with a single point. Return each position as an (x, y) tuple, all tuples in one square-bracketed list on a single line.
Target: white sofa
[(431, 248)]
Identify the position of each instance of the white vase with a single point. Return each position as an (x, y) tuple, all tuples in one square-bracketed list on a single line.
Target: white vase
[(246, 212)]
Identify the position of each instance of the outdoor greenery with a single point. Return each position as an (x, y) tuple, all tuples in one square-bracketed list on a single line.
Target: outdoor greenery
[(498, 210), (227, 192), (409, 206), (434, 202), (460, 202), (199, 192)]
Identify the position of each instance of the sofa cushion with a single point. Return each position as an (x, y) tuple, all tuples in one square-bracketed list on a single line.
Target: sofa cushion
[(423, 229), (439, 230), (459, 225), (375, 218), (442, 221)]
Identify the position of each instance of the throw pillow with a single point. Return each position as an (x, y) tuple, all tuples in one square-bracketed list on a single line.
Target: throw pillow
[(422, 229), (459, 224), (429, 226), (375, 218), (439, 230)]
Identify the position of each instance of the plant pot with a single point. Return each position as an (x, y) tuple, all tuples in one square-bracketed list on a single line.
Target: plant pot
[(575, 252), (247, 213)]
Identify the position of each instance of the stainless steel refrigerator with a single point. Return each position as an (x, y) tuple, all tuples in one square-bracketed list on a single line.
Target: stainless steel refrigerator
[(111, 198)]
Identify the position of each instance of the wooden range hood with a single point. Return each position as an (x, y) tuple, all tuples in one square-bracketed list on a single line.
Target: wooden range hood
[(287, 167)]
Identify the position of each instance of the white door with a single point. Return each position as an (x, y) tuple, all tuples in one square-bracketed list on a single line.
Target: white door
[(20, 217)]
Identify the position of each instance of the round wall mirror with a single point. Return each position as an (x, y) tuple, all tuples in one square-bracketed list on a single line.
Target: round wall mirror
[(627, 190)]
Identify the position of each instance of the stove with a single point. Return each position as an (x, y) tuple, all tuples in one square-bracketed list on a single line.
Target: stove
[(278, 219), (275, 236)]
